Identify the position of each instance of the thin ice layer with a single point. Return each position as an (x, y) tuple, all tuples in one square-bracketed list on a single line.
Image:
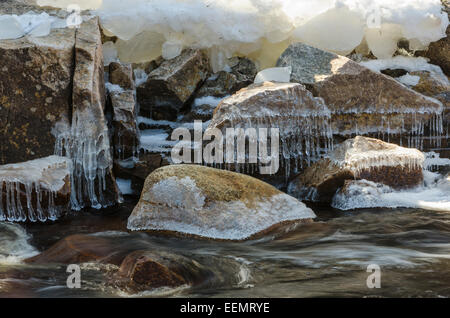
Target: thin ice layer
[(366, 194)]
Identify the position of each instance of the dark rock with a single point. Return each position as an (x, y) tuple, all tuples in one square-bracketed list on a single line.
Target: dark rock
[(172, 84), (35, 93), (122, 75)]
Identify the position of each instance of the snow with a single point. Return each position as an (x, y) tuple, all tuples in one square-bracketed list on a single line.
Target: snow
[(32, 24), (367, 194), (36, 177), (249, 27), (274, 74)]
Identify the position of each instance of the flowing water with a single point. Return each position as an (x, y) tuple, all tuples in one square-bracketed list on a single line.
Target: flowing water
[(326, 258)]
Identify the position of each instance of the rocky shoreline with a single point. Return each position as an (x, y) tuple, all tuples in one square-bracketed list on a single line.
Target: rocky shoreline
[(73, 118)]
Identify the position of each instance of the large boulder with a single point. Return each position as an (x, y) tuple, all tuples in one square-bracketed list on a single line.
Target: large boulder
[(211, 203), (36, 190), (361, 101), (35, 93), (301, 118), (359, 158), (172, 84)]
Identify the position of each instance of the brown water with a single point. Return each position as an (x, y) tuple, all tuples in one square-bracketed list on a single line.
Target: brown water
[(327, 258)]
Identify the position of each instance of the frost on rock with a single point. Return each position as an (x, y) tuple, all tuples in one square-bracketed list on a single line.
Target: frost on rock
[(258, 27), (359, 158), (212, 203), (365, 102), (302, 120), (366, 194), (35, 190)]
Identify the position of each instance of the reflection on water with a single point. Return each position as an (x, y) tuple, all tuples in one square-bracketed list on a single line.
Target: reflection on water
[(326, 258)]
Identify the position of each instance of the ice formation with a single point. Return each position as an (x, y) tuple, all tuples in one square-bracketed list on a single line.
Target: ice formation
[(16, 26), (38, 179), (410, 64), (179, 204), (366, 194), (363, 153), (91, 159), (256, 27), (303, 120), (274, 74)]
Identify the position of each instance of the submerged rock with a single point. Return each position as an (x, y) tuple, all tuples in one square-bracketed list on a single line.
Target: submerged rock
[(211, 203), (172, 84), (359, 158), (35, 93), (36, 190), (361, 101)]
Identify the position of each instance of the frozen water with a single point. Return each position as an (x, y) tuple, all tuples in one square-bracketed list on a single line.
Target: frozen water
[(274, 74), (16, 26), (109, 53), (367, 194), (38, 177), (124, 186), (259, 27)]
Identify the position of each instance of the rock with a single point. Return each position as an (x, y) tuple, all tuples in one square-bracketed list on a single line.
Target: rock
[(211, 203), (126, 132), (430, 84), (86, 142), (80, 248), (437, 52), (359, 158), (302, 119), (137, 169), (36, 190), (361, 101), (172, 84), (35, 93), (143, 270), (122, 75)]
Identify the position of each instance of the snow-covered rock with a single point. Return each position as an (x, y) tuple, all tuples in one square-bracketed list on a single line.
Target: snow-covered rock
[(212, 203), (36, 190), (359, 158)]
